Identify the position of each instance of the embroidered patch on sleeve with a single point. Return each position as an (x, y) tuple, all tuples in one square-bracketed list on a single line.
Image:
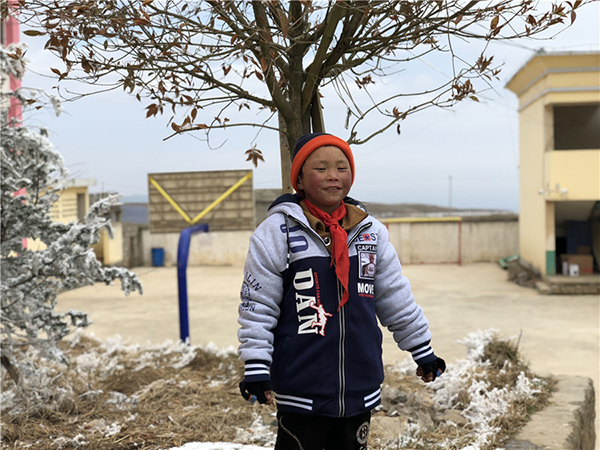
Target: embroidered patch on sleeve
[(367, 264)]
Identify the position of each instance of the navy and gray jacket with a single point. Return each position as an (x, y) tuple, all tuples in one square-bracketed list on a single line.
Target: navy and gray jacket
[(321, 360)]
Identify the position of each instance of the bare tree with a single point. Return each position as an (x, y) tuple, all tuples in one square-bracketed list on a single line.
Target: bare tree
[(205, 62)]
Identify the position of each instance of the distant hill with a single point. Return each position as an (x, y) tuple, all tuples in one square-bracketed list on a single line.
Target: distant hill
[(403, 209), (141, 198), (384, 210), (264, 198), (134, 212), (135, 208)]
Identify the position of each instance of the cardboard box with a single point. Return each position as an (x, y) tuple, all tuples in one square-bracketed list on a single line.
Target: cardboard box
[(585, 262), (584, 250)]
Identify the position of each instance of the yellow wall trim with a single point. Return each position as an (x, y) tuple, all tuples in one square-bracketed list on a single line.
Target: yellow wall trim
[(223, 196), (423, 219), (556, 70), (559, 90)]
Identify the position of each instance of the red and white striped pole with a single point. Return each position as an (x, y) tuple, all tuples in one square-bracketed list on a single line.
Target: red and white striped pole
[(15, 110), (12, 37)]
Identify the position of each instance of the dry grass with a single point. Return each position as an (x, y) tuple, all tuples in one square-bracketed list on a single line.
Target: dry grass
[(154, 407), (501, 367), (143, 401), (506, 366)]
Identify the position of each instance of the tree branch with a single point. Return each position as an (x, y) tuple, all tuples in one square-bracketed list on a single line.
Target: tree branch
[(12, 370), (336, 13)]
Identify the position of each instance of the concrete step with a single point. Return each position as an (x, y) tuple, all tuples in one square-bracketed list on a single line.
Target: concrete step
[(581, 285), (567, 423), (543, 288)]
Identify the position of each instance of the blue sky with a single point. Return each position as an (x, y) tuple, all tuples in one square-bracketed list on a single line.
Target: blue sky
[(106, 136)]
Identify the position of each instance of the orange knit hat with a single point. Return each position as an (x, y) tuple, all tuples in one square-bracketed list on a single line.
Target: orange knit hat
[(308, 143)]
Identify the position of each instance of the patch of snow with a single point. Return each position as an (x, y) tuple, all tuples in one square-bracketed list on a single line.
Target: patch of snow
[(256, 433), (56, 104), (121, 401), (63, 442), (100, 426), (410, 436), (216, 383), (7, 397), (485, 404), (527, 387), (112, 429), (476, 342), (407, 367), (92, 394), (220, 352)]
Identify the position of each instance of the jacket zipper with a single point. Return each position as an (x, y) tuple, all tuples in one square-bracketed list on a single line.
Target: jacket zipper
[(341, 321), (342, 343), (342, 352)]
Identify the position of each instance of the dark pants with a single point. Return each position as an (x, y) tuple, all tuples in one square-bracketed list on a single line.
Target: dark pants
[(302, 432)]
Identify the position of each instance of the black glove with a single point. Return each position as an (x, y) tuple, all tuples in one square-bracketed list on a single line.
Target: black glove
[(436, 367), (256, 388)]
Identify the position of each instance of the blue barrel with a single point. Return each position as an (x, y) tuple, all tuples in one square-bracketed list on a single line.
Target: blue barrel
[(158, 257)]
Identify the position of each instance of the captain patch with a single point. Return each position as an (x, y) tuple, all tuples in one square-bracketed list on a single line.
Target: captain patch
[(367, 264)]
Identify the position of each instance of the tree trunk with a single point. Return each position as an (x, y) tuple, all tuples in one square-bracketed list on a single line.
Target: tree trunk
[(286, 157), (290, 129), (316, 114)]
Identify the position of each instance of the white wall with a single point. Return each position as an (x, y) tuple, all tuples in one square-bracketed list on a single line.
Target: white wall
[(206, 249), (439, 242), (416, 243), (489, 241)]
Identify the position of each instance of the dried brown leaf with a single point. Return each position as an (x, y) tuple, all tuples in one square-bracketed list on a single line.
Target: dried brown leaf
[(494, 22)]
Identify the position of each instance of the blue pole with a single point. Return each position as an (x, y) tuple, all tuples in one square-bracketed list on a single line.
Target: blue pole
[(183, 252)]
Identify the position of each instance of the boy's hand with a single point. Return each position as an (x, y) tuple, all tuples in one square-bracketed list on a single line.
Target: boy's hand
[(430, 371), (261, 390)]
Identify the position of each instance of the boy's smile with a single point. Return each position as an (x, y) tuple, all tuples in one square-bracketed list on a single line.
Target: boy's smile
[(326, 178)]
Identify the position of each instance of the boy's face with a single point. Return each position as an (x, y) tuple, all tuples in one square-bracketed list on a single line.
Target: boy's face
[(326, 178)]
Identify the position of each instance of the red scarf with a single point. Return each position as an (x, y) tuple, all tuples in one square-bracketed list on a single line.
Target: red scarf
[(339, 246)]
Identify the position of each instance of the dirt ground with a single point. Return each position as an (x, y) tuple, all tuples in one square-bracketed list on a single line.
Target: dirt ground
[(559, 334), (113, 396)]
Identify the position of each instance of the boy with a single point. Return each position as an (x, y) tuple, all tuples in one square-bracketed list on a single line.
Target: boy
[(320, 272)]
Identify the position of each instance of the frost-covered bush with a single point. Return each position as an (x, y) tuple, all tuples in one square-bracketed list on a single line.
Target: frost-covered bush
[(491, 389), (62, 257)]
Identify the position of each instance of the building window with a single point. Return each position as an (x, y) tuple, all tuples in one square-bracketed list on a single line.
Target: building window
[(81, 206), (577, 127)]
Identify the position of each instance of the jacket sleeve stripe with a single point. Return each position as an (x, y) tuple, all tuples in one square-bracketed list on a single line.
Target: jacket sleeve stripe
[(373, 398), (256, 369), (422, 352), (293, 397), (370, 396), (296, 405), (296, 402), (250, 373)]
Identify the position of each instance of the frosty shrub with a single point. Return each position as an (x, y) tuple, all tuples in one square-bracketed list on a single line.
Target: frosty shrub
[(61, 257)]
